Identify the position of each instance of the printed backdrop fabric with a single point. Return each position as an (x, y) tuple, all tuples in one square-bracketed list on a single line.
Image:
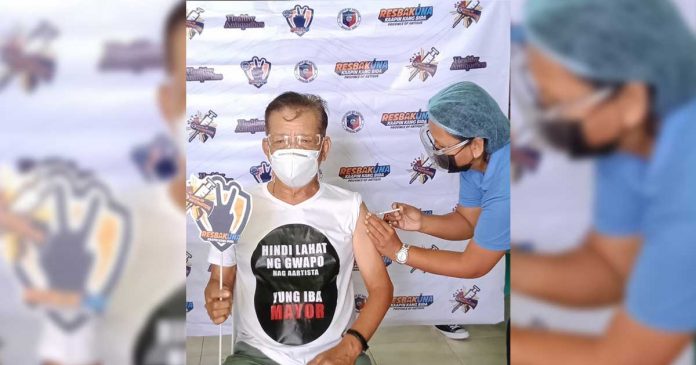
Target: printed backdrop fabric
[(376, 64)]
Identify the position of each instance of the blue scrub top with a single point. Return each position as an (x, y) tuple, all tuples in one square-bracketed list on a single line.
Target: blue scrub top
[(619, 198), (656, 199), (490, 191), (662, 289)]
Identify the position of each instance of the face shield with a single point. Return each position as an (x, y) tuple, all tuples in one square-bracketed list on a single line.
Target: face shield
[(442, 157)]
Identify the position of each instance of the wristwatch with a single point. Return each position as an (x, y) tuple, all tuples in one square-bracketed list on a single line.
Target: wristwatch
[(402, 254)]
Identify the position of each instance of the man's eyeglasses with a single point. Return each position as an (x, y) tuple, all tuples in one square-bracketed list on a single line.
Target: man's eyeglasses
[(300, 141)]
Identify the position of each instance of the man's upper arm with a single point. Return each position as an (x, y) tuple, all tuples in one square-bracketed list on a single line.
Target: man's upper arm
[(370, 263)]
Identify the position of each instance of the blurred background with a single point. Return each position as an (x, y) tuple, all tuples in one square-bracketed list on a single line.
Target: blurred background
[(85, 152), (88, 231), (552, 198)]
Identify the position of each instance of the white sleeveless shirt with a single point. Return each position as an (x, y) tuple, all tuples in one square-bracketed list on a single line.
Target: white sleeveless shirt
[(293, 294)]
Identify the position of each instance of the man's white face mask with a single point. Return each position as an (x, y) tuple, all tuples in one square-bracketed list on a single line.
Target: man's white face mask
[(295, 167)]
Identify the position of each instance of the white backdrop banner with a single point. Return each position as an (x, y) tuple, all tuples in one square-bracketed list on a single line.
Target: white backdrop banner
[(376, 64)]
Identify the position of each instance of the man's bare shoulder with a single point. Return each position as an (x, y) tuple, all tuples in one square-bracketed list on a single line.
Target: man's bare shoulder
[(340, 193)]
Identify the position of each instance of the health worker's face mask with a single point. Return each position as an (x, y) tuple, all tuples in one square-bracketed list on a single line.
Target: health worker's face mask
[(567, 134)]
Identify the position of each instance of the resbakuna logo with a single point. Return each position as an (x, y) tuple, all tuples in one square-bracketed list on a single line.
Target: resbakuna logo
[(467, 63), (220, 208), (400, 120), (364, 173), (405, 16), (412, 302), (361, 69)]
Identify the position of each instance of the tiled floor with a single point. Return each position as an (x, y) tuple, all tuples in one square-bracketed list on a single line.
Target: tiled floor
[(399, 345)]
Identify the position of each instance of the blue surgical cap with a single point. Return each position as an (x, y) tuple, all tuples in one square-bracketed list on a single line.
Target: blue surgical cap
[(465, 109), (617, 41)]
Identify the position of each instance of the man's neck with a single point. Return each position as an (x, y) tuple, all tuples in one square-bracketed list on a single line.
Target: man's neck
[(290, 195)]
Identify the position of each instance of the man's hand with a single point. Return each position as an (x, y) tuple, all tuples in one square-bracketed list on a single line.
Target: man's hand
[(383, 236), (345, 353), (218, 310), (409, 218)]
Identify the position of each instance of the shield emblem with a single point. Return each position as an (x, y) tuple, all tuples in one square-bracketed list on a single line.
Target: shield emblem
[(256, 70), (306, 71), (349, 18), (84, 241), (227, 213), (299, 19), (353, 121)]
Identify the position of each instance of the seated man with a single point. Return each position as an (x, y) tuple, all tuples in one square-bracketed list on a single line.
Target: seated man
[(291, 270)]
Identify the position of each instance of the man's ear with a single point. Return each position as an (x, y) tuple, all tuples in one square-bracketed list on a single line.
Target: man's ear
[(325, 147), (478, 147), (266, 148), (635, 100)]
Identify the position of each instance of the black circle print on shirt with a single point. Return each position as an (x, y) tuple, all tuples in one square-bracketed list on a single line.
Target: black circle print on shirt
[(296, 269)]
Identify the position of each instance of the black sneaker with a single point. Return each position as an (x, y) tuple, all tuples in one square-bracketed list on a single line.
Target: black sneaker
[(453, 331)]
